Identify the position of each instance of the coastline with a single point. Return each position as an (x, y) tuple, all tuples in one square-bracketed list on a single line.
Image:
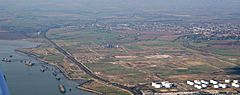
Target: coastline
[(59, 68), (30, 75), (42, 60)]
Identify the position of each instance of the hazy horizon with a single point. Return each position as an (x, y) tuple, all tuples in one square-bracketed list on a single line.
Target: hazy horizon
[(188, 6)]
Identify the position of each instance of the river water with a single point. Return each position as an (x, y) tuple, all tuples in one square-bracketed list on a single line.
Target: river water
[(24, 80)]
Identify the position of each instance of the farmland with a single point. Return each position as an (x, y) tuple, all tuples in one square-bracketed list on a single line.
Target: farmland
[(136, 57)]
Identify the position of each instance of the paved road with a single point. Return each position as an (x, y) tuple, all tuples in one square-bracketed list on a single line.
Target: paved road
[(133, 90)]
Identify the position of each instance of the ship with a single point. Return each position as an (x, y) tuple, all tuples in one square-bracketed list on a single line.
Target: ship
[(29, 63), (54, 73), (58, 78), (61, 88), (6, 60), (42, 69)]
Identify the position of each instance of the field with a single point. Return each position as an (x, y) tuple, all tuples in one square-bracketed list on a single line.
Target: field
[(227, 50)]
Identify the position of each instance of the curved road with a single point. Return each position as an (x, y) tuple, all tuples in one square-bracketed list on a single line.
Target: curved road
[(133, 90)]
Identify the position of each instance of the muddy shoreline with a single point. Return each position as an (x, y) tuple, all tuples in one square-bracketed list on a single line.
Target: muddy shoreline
[(62, 71), (41, 60)]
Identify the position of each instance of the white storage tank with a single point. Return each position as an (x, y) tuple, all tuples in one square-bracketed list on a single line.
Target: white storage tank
[(197, 81), (164, 82), (190, 83), (235, 81), (158, 85), (215, 86), (168, 85), (235, 85), (204, 86), (195, 86), (223, 85), (204, 82), (213, 82), (199, 87), (153, 84), (227, 81)]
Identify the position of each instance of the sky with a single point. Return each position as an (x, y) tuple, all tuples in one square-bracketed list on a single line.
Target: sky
[(123, 5)]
